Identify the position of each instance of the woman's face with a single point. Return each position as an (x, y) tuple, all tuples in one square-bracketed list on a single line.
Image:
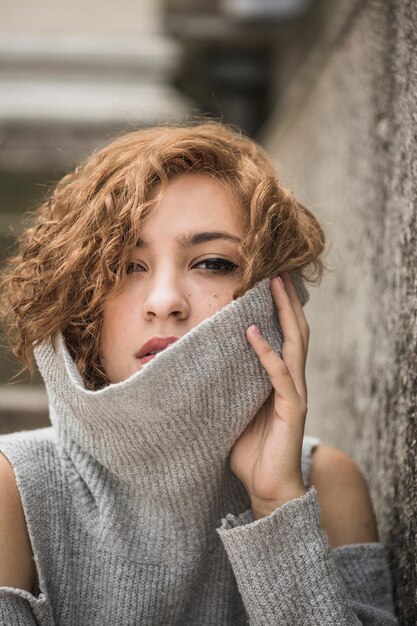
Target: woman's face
[(185, 268)]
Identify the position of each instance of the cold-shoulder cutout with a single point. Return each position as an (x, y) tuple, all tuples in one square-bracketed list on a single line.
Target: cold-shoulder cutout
[(17, 567), (346, 510)]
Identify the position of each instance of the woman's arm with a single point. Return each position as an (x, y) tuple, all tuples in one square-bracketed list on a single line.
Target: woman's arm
[(17, 568), (282, 559), (346, 511), (287, 573), (285, 568)]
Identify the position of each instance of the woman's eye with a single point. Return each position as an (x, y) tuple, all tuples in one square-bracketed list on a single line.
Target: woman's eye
[(133, 266), (218, 266)]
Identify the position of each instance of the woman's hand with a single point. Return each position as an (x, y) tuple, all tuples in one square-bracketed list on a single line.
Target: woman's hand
[(267, 456)]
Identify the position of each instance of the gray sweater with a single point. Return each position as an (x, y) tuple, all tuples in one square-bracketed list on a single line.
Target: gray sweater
[(135, 517)]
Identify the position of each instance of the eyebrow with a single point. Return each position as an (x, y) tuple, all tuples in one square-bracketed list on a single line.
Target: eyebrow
[(193, 239)]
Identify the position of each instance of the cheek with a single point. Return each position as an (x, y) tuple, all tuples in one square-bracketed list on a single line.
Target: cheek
[(115, 323), (211, 301)]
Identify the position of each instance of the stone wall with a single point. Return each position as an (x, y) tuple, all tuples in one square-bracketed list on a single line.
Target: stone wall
[(344, 137)]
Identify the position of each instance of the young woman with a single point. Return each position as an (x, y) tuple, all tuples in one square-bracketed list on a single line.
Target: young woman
[(175, 485)]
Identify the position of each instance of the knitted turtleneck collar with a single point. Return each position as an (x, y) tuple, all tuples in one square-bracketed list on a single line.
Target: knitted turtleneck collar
[(165, 433)]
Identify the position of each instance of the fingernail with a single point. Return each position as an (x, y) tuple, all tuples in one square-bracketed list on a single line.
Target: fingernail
[(255, 330), (280, 280)]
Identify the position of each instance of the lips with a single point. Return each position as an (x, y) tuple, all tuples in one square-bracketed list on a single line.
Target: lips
[(154, 345)]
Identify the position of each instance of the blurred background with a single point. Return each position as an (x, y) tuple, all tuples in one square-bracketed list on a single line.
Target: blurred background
[(73, 76)]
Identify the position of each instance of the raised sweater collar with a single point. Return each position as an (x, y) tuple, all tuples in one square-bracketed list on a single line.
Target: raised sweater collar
[(167, 431)]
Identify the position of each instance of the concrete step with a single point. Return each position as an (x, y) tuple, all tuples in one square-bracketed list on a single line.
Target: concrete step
[(23, 407)]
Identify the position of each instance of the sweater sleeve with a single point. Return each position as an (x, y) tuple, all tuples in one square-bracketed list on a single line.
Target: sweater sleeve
[(20, 608), (287, 573)]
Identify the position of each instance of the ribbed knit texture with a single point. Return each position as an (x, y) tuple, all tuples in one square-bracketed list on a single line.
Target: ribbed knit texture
[(124, 493)]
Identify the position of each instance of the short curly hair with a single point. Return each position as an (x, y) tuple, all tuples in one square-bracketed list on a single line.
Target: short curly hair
[(76, 252)]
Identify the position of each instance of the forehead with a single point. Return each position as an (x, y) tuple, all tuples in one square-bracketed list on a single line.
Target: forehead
[(195, 200)]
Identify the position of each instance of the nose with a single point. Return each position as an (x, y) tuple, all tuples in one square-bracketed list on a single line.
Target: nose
[(166, 297)]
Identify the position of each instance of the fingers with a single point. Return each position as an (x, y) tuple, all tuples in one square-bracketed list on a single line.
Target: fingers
[(294, 349), (297, 308), (286, 313), (278, 372)]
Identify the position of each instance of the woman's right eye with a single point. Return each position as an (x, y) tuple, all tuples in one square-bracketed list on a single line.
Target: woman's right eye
[(134, 266)]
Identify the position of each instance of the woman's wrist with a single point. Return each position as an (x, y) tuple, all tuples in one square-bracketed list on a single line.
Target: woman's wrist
[(263, 508)]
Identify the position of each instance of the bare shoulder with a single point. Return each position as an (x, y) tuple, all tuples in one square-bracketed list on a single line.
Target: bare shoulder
[(346, 509), (17, 568)]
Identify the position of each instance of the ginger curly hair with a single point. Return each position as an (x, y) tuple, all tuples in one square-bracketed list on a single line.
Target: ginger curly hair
[(76, 252)]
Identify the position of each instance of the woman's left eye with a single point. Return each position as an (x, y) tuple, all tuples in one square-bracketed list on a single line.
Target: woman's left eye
[(218, 266), (133, 266)]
